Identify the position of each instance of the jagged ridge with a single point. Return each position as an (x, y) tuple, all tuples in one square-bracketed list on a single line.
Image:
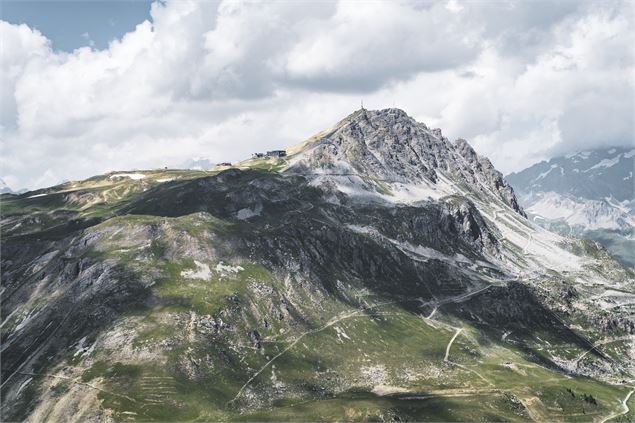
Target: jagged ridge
[(391, 146)]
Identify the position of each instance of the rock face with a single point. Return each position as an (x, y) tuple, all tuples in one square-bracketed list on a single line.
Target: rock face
[(376, 266), (391, 146)]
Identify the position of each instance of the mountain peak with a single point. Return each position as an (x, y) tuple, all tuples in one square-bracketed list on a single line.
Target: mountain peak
[(390, 146), (385, 116), (393, 113)]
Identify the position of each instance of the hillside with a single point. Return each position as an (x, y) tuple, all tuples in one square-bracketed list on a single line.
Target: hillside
[(378, 272)]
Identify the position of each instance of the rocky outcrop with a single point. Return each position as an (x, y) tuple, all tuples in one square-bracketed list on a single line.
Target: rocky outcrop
[(480, 169), (390, 146), (614, 324)]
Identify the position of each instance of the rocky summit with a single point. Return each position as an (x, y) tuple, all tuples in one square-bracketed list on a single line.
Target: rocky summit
[(377, 271)]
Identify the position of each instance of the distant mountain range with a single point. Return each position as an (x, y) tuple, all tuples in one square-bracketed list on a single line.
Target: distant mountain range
[(589, 194), (6, 189)]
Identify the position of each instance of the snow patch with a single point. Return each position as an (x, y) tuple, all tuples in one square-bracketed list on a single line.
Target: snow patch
[(622, 206), (384, 390), (341, 334), (418, 251), (589, 214), (400, 191), (606, 163), (23, 385), (424, 190), (202, 271), (544, 174), (541, 248), (226, 269), (82, 349), (135, 176), (25, 320), (247, 213)]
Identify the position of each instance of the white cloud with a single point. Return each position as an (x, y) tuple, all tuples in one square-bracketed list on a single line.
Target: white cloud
[(21, 47), (365, 47), (223, 80)]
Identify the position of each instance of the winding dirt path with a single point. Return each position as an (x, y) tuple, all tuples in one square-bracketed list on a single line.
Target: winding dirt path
[(535, 408), (602, 342), (348, 315), (447, 349), (330, 323), (624, 406)]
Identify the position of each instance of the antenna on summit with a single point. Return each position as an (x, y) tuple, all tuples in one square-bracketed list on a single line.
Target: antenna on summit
[(362, 104)]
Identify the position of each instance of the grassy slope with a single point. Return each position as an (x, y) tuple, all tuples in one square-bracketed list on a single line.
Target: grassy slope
[(330, 373), (323, 370)]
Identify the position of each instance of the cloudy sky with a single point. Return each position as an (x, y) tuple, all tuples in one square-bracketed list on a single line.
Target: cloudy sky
[(99, 86)]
